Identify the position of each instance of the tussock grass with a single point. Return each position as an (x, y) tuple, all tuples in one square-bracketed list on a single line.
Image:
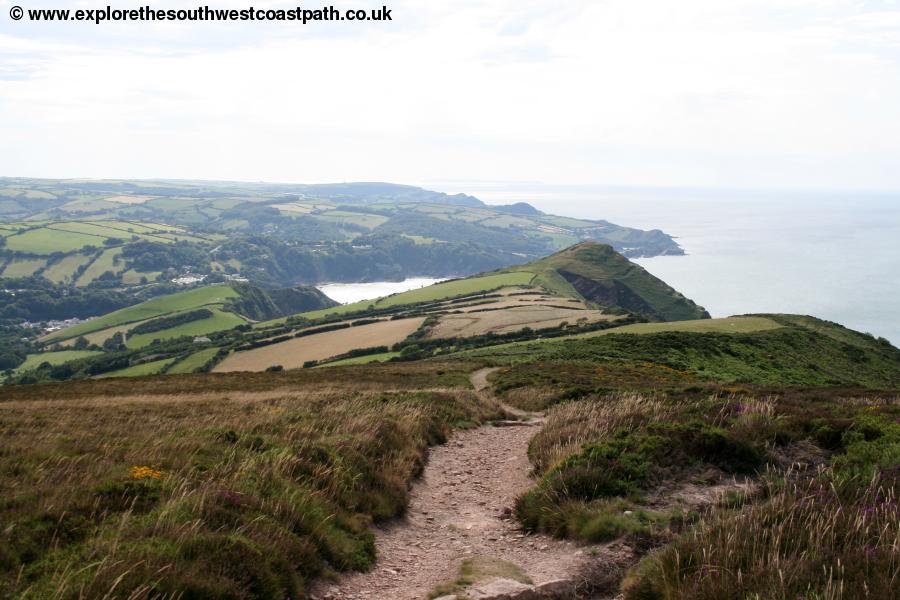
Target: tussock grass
[(822, 537), (816, 514), (206, 493), (574, 424)]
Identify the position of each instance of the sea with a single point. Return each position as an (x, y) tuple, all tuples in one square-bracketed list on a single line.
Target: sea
[(832, 255), (347, 293)]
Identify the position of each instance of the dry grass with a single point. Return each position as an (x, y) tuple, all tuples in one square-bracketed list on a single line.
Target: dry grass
[(389, 377), (129, 199), (571, 425), (121, 491), (817, 538), (293, 353), (512, 318), (780, 494)]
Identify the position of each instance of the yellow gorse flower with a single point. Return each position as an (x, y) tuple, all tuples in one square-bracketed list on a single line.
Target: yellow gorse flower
[(145, 473)]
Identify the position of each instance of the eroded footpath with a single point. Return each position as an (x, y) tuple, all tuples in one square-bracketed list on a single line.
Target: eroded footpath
[(461, 508)]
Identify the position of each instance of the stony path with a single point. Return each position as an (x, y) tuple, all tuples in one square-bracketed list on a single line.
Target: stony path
[(460, 508)]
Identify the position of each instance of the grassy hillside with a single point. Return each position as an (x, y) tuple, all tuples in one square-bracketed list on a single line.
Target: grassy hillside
[(597, 273), (531, 313), (231, 305), (759, 351), (151, 337), (739, 495), (213, 486), (216, 295)]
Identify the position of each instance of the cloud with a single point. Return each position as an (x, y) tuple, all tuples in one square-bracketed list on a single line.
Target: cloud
[(758, 93)]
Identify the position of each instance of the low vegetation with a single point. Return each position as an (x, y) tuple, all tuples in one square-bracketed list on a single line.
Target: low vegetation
[(789, 355), (739, 491), (213, 485), (478, 569)]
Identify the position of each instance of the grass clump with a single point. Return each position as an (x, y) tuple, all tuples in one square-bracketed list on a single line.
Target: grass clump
[(816, 514), (823, 537), (477, 569), (626, 464)]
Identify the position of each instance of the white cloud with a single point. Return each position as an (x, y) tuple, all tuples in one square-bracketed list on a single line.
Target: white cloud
[(759, 93)]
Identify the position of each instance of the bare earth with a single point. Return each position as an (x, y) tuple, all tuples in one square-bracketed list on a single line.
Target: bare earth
[(458, 509)]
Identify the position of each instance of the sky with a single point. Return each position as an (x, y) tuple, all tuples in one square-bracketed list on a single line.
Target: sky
[(775, 94)]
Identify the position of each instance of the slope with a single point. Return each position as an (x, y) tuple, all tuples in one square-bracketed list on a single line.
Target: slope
[(598, 274)]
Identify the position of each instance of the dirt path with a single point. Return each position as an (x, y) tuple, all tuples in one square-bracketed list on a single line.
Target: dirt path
[(460, 508)]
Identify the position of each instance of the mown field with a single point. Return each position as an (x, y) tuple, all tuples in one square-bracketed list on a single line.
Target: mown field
[(459, 287), (722, 325), (510, 319), (293, 353), (213, 486), (432, 293)]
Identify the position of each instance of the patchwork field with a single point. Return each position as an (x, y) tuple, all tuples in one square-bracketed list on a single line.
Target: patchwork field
[(63, 271), (23, 268), (148, 368), (459, 287), (45, 238), (205, 296), (722, 325), (54, 358), (293, 353), (193, 362), (219, 321), (432, 293), (103, 263), (497, 320)]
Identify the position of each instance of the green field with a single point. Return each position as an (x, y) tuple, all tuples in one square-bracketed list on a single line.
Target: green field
[(47, 241), (62, 271), (69, 236), (149, 368), (438, 291), (724, 325), (23, 268), (132, 277), (205, 296), (363, 360), (220, 321), (193, 362), (100, 266), (54, 358), (459, 287), (362, 219)]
